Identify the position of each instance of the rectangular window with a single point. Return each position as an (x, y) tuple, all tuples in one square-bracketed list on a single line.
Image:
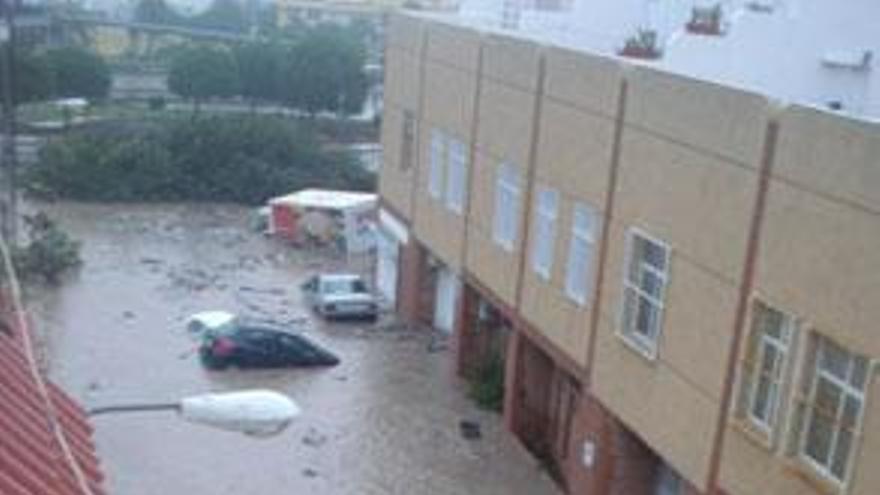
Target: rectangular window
[(408, 136), (507, 192), (579, 270), (834, 408), (764, 368), (436, 160), (544, 241), (644, 285), (456, 180)]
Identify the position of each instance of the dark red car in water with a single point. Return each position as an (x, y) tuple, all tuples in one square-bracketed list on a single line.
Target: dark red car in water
[(227, 342)]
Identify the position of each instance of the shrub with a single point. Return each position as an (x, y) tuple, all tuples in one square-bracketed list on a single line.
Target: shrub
[(243, 159), (487, 385), (156, 103), (49, 254)]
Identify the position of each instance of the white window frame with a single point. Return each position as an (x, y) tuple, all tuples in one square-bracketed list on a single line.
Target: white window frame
[(782, 346), (436, 162), (643, 345), (456, 179), (507, 203), (584, 235), (544, 242), (846, 390)]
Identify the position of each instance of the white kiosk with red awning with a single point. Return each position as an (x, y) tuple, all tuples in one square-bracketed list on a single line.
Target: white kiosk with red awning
[(326, 217)]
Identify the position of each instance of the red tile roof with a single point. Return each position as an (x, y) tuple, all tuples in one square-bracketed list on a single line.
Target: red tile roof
[(37, 430)]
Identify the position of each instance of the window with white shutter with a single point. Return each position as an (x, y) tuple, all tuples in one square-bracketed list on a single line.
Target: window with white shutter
[(435, 163), (581, 250), (507, 197), (544, 240), (456, 180)]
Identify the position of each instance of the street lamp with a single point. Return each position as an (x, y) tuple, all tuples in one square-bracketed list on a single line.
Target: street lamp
[(259, 413)]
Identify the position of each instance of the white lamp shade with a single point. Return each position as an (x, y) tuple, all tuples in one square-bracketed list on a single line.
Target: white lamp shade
[(254, 412)]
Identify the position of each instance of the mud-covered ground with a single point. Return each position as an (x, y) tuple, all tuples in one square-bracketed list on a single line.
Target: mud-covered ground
[(385, 421)]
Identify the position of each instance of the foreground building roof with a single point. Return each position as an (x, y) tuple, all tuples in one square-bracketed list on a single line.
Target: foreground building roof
[(46, 443)]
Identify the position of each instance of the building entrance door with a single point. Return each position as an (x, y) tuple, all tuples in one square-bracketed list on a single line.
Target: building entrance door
[(387, 259), (445, 302)]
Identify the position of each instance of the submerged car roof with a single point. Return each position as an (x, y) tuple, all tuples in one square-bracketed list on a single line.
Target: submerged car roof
[(213, 319)]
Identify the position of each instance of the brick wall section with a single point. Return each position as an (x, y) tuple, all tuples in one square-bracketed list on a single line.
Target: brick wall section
[(510, 411), (468, 344), (590, 423), (634, 465), (535, 374), (461, 345), (622, 464), (409, 281)]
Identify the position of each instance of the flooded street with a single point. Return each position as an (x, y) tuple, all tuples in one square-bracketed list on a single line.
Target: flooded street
[(385, 421)]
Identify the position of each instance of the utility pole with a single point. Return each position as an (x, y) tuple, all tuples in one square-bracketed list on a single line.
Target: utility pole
[(9, 201)]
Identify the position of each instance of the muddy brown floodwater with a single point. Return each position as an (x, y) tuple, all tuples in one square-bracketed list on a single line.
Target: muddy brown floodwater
[(385, 421)]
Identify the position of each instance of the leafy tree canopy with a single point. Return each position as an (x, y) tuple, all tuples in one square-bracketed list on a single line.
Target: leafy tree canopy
[(223, 14), (325, 71), (259, 70), (156, 12), (78, 73), (33, 77), (201, 72)]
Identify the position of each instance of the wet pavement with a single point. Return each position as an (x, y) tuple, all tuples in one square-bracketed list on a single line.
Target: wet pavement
[(385, 421)]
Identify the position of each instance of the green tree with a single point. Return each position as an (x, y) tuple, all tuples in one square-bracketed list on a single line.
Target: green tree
[(200, 72), (223, 14), (33, 77), (259, 70), (325, 72), (156, 12), (79, 73)]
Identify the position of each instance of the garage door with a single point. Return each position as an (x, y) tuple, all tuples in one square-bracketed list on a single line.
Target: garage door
[(386, 268)]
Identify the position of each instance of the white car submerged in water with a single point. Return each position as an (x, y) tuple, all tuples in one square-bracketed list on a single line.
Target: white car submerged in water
[(340, 295)]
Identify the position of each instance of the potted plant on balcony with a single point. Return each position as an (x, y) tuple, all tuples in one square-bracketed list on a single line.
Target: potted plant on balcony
[(642, 45), (706, 20)]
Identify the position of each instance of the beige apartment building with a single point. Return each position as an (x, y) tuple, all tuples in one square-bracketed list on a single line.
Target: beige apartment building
[(682, 278)]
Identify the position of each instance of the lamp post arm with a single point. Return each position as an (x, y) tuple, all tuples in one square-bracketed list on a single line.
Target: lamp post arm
[(129, 408)]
